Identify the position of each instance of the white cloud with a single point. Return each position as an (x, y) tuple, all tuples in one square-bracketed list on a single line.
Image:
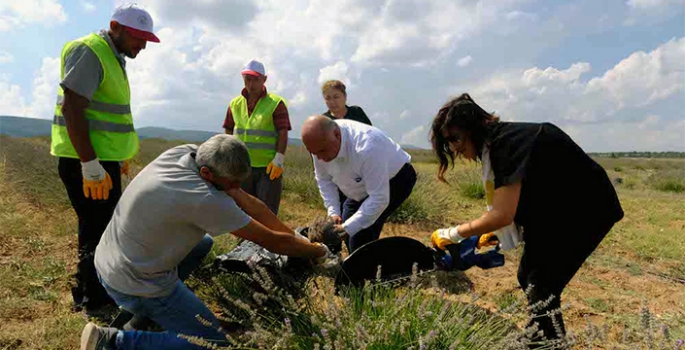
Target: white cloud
[(6, 57), (45, 84), (464, 61), (651, 4), (11, 100), (640, 83), (382, 50), (420, 33), (88, 7), (337, 71), (18, 13), (417, 137)]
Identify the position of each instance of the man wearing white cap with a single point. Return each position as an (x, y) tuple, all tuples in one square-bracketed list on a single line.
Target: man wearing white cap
[(93, 134), (260, 119)]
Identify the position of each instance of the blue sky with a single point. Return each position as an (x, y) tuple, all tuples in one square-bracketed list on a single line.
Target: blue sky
[(610, 73)]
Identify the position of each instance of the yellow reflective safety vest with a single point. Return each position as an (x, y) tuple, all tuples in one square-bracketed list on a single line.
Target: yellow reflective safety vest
[(110, 122), (257, 130)]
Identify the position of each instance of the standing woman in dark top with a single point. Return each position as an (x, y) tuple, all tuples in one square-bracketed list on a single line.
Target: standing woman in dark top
[(335, 95), (541, 181)]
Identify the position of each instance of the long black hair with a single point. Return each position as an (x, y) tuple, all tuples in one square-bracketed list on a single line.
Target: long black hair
[(463, 113)]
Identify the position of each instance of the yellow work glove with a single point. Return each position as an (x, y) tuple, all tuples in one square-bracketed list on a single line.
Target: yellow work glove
[(275, 168), (96, 181), (445, 236), (125, 166), (484, 240)]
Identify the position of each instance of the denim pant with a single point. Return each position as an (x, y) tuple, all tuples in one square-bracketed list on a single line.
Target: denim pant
[(175, 312), (401, 186)]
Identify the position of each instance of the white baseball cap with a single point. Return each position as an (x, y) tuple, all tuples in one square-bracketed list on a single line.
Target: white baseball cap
[(136, 21), (255, 68)]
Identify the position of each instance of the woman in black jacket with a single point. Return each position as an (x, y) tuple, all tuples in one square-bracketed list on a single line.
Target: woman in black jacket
[(335, 96), (537, 180)]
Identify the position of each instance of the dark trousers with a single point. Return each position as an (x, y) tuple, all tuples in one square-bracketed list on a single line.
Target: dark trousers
[(400, 188), (547, 267), (259, 185), (93, 218)]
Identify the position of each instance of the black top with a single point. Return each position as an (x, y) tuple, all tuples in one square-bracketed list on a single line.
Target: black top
[(353, 113), (561, 186)]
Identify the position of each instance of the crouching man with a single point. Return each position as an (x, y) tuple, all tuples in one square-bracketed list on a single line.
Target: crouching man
[(368, 167), (157, 237)]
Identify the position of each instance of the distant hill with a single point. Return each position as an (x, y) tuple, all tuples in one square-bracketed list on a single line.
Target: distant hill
[(31, 127)]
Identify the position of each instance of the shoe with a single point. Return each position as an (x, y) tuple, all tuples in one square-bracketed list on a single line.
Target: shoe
[(94, 337)]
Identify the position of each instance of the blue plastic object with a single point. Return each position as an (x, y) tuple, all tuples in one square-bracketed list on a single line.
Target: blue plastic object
[(464, 256)]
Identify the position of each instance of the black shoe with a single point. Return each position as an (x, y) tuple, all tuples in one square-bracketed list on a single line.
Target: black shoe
[(94, 337)]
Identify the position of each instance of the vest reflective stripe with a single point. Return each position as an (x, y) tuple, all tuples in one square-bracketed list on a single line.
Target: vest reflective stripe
[(255, 132), (110, 123), (97, 125), (254, 145), (102, 106)]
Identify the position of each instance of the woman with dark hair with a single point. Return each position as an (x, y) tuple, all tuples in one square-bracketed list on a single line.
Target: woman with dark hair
[(335, 95), (538, 180)]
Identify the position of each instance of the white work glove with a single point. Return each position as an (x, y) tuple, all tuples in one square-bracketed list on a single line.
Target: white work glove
[(445, 236), (96, 181), (275, 168), (329, 263)]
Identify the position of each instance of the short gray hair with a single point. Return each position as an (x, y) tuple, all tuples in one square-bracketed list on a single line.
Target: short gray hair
[(226, 156)]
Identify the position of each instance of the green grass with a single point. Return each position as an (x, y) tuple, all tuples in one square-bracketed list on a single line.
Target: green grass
[(37, 256)]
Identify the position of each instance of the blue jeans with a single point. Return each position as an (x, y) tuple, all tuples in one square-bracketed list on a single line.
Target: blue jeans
[(401, 186), (175, 312)]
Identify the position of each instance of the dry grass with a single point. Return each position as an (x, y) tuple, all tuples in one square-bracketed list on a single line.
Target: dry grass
[(38, 246)]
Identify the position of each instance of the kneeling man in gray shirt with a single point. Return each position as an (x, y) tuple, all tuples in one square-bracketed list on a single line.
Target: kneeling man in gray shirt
[(162, 229)]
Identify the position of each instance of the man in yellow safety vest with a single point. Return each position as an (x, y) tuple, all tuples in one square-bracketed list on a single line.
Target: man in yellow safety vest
[(260, 119), (93, 134)]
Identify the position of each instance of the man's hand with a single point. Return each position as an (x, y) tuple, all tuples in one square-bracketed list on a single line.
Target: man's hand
[(96, 181), (275, 168), (337, 219), (329, 263), (340, 231)]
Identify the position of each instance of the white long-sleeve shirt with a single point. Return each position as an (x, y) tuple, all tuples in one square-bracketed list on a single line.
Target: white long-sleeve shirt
[(366, 162)]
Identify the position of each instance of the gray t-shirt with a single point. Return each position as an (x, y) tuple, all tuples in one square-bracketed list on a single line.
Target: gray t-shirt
[(161, 216), (83, 70)]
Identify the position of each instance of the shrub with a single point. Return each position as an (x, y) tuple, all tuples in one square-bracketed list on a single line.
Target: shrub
[(473, 190), (670, 185)]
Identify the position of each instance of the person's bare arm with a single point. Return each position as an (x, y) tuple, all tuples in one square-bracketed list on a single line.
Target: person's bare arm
[(505, 202), (279, 242), (73, 109), (257, 210), (282, 142)]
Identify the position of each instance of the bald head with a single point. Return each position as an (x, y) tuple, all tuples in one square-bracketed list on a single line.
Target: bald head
[(321, 137)]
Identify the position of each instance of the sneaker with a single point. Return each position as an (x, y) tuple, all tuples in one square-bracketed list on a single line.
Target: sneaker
[(98, 338)]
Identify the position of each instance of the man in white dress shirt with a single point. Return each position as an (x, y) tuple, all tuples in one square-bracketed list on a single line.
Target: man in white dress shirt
[(367, 166)]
